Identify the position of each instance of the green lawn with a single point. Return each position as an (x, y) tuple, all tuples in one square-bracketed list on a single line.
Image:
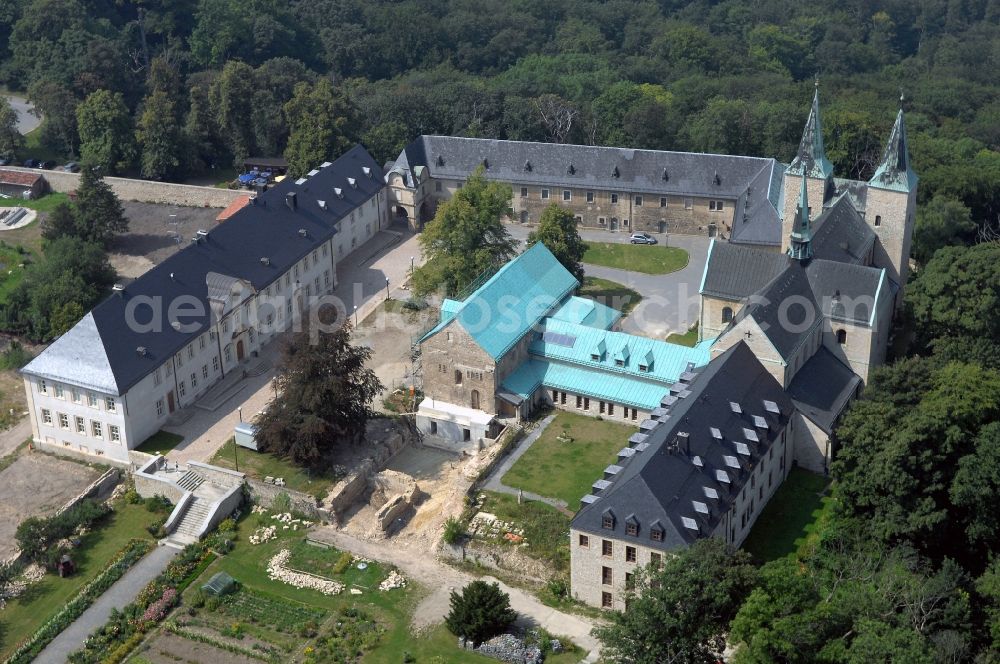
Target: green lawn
[(393, 610), (650, 259), (322, 560), (44, 204), (27, 613), (11, 272), (160, 442), (610, 294), (545, 527), (260, 465), (565, 469), (790, 518), (689, 338)]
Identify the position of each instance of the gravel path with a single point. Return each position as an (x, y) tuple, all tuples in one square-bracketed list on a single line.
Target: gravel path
[(117, 596), (495, 483), (427, 570)]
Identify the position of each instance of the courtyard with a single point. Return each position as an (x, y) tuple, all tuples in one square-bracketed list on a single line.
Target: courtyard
[(791, 518)]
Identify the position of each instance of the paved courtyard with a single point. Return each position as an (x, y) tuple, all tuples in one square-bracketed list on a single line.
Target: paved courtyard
[(37, 484)]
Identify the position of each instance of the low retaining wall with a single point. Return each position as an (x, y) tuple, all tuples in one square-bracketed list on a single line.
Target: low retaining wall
[(105, 482), (345, 492), (58, 450), (148, 485), (217, 475), (397, 506), (146, 191), (264, 495), (222, 508)]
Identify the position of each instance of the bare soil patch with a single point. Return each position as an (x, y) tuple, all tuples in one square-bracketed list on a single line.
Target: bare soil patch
[(35, 485), (169, 648)]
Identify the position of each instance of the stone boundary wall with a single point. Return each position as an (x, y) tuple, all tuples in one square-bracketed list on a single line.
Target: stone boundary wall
[(345, 492), (507, 440), (107, 481), (388, 513), (148, 485), (264, 495), (217, 475), (145, 191)]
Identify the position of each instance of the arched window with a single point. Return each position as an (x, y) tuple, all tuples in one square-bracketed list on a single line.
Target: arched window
[(878, 220), (475, 399), (458, 377), (841, 336), (727, 314)]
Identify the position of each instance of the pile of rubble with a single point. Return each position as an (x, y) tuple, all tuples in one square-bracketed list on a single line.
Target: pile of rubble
[(31, 574), (393, 581), (288, 521), (506, 648), (263, 534), (488, 526), (276, 571)]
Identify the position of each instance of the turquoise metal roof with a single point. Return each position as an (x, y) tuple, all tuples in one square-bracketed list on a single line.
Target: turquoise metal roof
[(449, 308), (587, 312), (576, 344), (501, 311), (619, 389)]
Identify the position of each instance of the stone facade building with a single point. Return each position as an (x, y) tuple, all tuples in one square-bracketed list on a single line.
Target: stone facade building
[(157, 344)]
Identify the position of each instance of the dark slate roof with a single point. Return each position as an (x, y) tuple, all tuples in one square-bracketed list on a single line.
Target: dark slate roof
[(822, 388), (757, 220), (845, 291), (840, 234), (735, 272), (661, 484), (232, 250), (894, 170), (782, 308), (855, 190), (583, 166), (811, 157)]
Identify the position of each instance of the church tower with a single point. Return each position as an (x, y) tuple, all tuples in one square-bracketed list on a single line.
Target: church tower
[(810, 163), (800, 239), (891, 204)]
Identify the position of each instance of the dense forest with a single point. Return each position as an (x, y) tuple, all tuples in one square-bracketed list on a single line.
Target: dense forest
[(167, 89), (904, 567)]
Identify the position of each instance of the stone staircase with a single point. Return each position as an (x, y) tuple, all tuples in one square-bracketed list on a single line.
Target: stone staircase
[(186, 531), (190, 480)]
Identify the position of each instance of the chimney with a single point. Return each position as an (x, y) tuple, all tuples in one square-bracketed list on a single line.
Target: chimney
[(141, 351), (684, 442), (291, 201), (265, 261), (303, 232), (118, 289)]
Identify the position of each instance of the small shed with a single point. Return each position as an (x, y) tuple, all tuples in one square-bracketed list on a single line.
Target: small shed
[(276, 165), (220, 584), (245, 434), (21, 184)]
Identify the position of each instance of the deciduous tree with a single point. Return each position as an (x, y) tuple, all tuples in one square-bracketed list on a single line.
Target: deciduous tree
[(159, 137), (320, 121), (466, 237), (106, 135), (558, 232), (10, 138)]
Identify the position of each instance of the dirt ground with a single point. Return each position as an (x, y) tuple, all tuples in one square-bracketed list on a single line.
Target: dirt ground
[(35, 485), (155, 232), (390, 336), (169, 649)]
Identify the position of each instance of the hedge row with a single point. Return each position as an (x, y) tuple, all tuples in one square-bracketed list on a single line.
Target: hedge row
[(128, 556)]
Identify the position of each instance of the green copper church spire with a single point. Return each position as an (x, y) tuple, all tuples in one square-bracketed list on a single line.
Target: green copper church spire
[(801, 244), (811, 158), (894, 170)]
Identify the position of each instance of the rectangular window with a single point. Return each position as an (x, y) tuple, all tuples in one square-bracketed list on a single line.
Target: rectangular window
[(545, 194), (204, 371), (638, 201), (316, 284), (630, 555), (201, 342), (719, 206), (42, 387), (46, 416), (601, 221), (63, 421), (437, 186), (663, 201), (157, 378), (590, 197), (91, 400), (109, 404), (654, 559), (614, 199), (631, 528), (607, 576), (629, 581), (611, 409), (159, 407), (586, 403), (114, 433), (688, 203), (579, 401), (95, 428), (81, 426), (58, 390), (215, 364), (194, 380), (584, 541), (180, 388), (605, 600), (190, 352), (524, 192), (602, 408), (76, 395), (607, 548), (567, 195)]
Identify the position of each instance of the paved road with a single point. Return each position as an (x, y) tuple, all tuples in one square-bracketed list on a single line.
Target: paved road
[(25, 120), (670, 301), (441, 579), (117, 596)]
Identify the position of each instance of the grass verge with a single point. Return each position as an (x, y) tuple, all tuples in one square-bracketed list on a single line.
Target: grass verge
[(568, 457), (649, 259), (610, 294), (689, 338), (46, 203), (791, 517), (160, 442), (260, 464)]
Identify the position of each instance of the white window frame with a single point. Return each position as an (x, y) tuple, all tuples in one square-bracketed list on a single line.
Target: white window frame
[(614, 199), (46, 416), (545, 194), (590, 197), (114, 433), (63, 421), (81, 425), (567, 195), (97, 429)]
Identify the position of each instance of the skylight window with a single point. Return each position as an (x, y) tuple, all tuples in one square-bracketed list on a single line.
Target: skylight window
[(759, 422), (722, 476), (700, 507), (735, 408), (716, 433), (731, 461), (697, 461), (741, 448), (689, 523), (710, 492), (750, 434), (771, 407)]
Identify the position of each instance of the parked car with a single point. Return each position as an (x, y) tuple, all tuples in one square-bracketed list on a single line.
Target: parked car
[(30, 163), (71, 167), (4, 161), (47, 165), (642, 238)]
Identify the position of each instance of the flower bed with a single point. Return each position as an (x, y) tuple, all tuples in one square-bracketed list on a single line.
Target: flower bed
[(130, 555), (277, 571), (113, 642)]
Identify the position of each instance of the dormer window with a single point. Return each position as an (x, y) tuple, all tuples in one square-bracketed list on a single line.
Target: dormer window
[(619, 363), (595, 357), (608, 520), (643, 367), (631, 527), (656, 532)]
